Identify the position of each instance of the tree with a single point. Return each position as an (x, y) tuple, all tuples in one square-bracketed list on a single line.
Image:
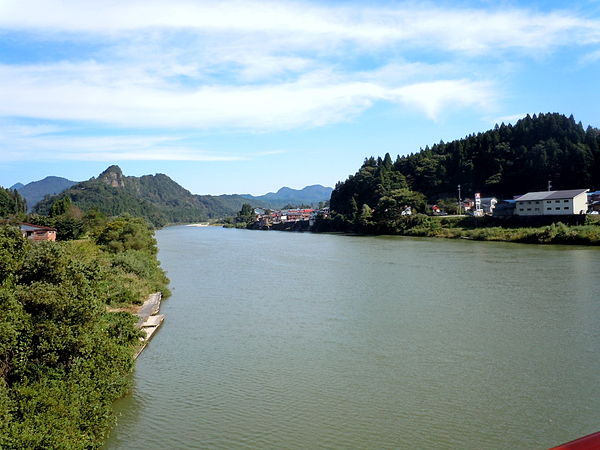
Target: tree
[(390, 207), (61, 206), (365, 217), (125, 233), (13, 248), (246, 214), (11, 203)]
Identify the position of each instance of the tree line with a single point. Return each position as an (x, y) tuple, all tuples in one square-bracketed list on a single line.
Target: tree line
[(506, 161)]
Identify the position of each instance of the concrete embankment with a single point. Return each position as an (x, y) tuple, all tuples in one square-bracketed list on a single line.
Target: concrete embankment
[(149, 319)]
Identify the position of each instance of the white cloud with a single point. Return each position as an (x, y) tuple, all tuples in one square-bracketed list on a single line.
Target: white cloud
[(253, 65), (590, 58), (512, 118), (21, 143), (107, 95), (300, 22), (434, 97)]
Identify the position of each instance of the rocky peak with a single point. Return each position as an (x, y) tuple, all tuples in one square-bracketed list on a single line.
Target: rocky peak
[(113, 176)]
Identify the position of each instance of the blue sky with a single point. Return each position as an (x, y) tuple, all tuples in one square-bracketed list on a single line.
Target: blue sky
[(249, 96)]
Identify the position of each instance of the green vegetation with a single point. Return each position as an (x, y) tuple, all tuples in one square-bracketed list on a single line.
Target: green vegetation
[(475, 228), (509, 160), (482, 230), (502, 162), (63, 357), (156, 198), (36, 190), (11, 203)]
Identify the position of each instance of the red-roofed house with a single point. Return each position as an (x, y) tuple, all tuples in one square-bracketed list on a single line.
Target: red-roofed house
[(38, 232)]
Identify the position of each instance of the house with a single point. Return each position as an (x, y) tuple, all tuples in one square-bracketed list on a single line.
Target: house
[(38, 232), (488, 204), (467, 204), (593, 202), (505, 208), (552, 203)]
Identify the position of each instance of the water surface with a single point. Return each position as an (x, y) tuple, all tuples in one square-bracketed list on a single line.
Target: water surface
[(290, 340)]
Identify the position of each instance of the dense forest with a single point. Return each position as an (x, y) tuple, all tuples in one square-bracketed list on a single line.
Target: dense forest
[(11, 203), (64, 356), (506, 161), (157, 198)]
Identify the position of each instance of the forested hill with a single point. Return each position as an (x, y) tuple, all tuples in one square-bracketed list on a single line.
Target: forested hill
[(310, 195), (155, 197), (36, 190), (505, 161)]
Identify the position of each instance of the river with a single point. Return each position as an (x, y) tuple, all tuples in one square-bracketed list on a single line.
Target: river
[(298, 340)]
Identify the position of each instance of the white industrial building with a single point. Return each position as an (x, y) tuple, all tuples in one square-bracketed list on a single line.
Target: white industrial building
[(552, 203)]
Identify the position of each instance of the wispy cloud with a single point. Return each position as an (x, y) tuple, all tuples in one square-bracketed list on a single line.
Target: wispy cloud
[(464, 29), (109, 96), (255, 65), (512, 118), (34, 143)]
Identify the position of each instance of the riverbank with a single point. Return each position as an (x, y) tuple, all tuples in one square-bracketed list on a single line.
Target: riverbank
[(149, 320), (565, 230)]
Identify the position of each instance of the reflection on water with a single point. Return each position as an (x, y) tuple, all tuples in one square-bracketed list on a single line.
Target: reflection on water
[(286, 340)]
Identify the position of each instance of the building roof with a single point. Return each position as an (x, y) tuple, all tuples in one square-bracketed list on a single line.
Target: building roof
[(31, 227), (551, 195)]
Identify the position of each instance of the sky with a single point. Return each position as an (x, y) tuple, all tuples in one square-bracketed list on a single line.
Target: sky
[(249, 96)]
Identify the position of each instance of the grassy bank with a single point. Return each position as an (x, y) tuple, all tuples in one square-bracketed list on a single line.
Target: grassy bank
[(583, 230), (64, 358), (557, 233)]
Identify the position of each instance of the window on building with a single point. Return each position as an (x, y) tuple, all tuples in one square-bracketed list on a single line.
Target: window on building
[(556, 201), (537, 203), (566, 201), (548, 209), (528, 209), (521, 209), (558, 207), (566, 207)]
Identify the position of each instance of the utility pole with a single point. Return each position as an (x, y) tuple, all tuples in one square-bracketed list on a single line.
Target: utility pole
[(459, 202), (549, 185)]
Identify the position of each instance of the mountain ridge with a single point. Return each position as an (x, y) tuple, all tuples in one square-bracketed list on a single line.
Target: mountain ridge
[(35, 191), (158, 198), (312, 194)]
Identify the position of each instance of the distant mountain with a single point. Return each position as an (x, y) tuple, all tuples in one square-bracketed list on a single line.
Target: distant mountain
[(155, 197), (310, 195), (16, 187), (36, 190)]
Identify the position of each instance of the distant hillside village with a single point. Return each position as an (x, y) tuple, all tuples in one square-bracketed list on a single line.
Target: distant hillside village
[(266, 219), (542, 203)]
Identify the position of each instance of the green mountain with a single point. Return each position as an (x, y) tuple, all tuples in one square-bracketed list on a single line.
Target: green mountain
[(310, 195), (506, 161), (155, 197), (36, 190)]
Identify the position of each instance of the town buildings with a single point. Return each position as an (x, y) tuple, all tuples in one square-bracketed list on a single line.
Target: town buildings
[(552, 203)]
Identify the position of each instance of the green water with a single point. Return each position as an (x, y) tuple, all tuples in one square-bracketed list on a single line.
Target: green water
[(289, 340)]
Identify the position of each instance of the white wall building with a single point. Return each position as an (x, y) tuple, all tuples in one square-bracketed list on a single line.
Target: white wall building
[(552, 203)]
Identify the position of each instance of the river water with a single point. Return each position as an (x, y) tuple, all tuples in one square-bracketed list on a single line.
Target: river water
[(297, 340)]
